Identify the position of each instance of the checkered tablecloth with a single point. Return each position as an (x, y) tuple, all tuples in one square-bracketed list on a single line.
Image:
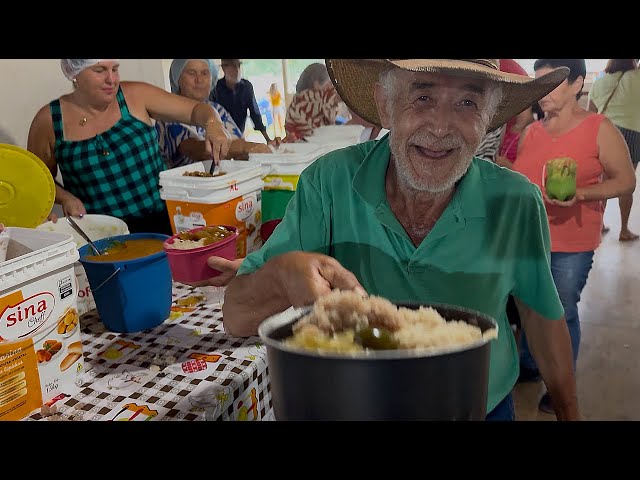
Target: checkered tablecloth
[(184, 369)]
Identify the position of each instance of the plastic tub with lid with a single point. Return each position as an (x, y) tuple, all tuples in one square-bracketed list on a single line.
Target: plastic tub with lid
[(333, 137), (285, 166), (233, 198), (40, 340)]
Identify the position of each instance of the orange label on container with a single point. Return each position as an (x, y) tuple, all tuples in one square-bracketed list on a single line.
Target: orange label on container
[(18, 376), (244, 213)]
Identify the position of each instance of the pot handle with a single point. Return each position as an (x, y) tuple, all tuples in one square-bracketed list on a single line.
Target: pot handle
[(104, 282)]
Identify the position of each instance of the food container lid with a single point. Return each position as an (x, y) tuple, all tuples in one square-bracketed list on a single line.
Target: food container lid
[(27, 190)]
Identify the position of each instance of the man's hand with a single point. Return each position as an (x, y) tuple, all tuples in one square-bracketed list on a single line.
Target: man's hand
[(258, 148), (291, 279), (304, 277), (227, 269), (275, 142)]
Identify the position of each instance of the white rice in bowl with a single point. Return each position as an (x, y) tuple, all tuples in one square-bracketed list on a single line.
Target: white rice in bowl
[(186, 244), (209, 235), (332, 325)]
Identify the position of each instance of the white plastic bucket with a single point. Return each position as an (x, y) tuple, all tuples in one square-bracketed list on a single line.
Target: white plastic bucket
[(96, 227), (333, 137), (234, 198), (285, 166), (40, 345)]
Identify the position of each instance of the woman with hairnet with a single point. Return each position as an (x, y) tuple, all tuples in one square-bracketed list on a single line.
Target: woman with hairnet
[(101, 137), (182, 144)]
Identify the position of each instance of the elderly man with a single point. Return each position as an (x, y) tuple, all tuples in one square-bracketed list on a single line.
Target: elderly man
[(413, 217)]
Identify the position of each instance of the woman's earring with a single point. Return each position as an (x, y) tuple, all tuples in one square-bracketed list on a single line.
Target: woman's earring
[(74, 82)]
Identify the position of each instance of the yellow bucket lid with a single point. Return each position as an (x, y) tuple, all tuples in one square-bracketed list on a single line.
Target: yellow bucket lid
[(27, 189)]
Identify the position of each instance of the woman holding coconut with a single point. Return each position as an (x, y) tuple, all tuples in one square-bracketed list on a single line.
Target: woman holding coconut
[(571, 145)]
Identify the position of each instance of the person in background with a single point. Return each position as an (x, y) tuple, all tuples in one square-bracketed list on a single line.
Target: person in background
[(315, 103), (182, 143), (370, 132), (617, 95), (443, 226), (516, 125), (101, 137), (277, 106), (500, 145), (598, 148), (236, 95)]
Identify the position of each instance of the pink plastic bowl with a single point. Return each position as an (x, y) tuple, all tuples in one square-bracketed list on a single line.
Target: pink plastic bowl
[(191, 265)]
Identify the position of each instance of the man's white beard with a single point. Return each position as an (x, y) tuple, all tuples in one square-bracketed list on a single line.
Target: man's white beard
[(405, 169)]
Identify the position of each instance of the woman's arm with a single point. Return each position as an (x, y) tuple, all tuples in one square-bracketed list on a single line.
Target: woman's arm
[(168, 107), (620, 178), (238, 150), (40, 142)]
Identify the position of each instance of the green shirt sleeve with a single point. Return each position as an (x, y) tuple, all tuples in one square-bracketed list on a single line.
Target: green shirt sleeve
[(303, 228), (534, 283)]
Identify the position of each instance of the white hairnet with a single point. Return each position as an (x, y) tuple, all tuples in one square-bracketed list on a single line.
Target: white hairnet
[(72, 67), (177, 66)]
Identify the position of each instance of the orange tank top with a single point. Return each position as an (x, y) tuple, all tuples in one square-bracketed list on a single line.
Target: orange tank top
[(276, 99), (578, 228)]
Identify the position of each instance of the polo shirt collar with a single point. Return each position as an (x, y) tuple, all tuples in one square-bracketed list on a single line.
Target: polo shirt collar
[(469, 200)]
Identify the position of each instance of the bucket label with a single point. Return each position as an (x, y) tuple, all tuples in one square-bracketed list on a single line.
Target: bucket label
[(187, 221), (244, 213), (245, 208), (23, 317), (40, 347)]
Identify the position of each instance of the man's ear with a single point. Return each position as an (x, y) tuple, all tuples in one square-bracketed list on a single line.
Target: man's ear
[(381, 104)]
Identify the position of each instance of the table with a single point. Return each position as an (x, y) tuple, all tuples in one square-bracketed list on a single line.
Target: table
[(185, 369)]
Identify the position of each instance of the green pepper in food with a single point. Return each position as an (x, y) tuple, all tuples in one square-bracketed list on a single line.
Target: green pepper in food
[(375, 338)]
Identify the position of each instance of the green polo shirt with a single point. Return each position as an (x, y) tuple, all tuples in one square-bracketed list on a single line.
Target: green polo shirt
[(492, 240)]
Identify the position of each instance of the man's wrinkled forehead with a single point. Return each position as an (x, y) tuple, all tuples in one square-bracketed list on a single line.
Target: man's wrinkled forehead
[(428, 80)]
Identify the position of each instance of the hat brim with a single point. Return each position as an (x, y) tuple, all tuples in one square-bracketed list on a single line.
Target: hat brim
[(354, 80)]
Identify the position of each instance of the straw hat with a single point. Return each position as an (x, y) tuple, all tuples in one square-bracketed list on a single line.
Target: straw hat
[(354, 80)]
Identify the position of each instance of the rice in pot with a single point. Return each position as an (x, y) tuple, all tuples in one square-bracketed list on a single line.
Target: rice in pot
[(336, 319)]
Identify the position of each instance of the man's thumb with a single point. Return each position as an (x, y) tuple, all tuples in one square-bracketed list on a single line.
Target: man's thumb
[(224, 265)]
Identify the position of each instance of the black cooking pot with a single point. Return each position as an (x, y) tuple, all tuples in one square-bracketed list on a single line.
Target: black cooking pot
[(378, 385)]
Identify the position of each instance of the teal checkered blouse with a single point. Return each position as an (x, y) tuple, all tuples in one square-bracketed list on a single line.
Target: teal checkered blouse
[(117, 171)]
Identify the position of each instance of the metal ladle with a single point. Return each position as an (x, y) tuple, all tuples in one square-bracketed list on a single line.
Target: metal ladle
[(77, 228)]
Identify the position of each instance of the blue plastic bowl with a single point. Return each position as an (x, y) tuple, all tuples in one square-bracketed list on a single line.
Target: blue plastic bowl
[(130, 295)]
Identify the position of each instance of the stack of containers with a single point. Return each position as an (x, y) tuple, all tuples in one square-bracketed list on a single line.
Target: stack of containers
[(333, 137), (285, 166), (233, 198)]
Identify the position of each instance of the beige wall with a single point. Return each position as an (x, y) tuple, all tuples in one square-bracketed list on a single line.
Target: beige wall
[(27, 85)]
